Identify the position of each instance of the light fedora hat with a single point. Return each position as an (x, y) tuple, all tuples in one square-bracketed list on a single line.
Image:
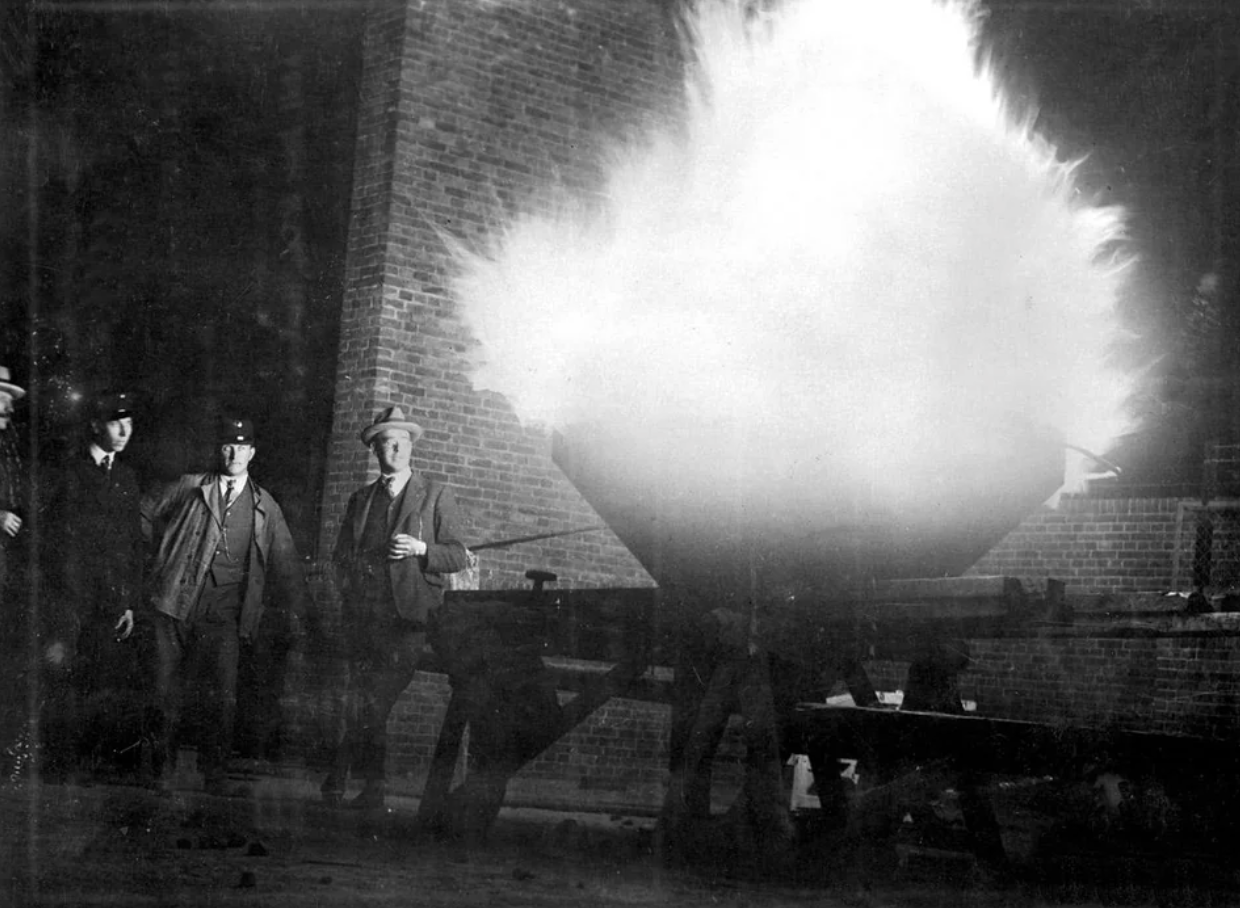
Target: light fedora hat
[(391, 418), (7, 387)]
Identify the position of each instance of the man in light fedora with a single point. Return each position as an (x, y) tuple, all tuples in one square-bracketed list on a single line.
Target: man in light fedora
[(12, 484), (223, 553), (397, 542), (14, 693)]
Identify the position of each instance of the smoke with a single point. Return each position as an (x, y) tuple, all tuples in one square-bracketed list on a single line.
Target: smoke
[(851, 244)]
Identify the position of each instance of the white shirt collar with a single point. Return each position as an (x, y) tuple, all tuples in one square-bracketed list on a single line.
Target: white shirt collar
[(238, 482), (97, 454), (399, 481)]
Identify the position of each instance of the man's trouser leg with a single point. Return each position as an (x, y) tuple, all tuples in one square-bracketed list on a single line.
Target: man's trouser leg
[(392, 667), (216, 650), (709, 725), (90, 672), (767, 814), (171, 646)]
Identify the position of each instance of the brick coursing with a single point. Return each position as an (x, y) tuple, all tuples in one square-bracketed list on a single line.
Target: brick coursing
[(1172, 683), (1095, 543), (468, 113)]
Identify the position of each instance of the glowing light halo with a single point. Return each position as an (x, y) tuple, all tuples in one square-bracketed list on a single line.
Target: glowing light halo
[(850, 244)]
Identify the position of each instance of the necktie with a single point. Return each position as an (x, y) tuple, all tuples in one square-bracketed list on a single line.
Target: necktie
[(105, 464), (228, 493), (389, 483)]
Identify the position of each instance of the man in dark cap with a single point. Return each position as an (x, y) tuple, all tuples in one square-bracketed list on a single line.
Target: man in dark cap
[(223, 554), (398, 540), (92, 541)]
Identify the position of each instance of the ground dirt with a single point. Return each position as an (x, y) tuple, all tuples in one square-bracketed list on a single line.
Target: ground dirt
[(124, 845)]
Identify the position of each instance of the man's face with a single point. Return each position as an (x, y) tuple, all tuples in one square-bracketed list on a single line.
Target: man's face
[(6, 409), (113, 435), (235, 459), (393, 449)]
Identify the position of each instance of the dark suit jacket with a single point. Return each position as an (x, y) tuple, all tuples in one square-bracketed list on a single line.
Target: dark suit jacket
[(92, 532), (428, 511), (12, 498)]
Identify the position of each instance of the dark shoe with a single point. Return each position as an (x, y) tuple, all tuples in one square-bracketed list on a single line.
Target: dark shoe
[(370, 798), (222, 788)]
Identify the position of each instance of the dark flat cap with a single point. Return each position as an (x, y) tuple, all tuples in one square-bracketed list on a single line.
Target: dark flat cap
[(110, 405), (235, 431)]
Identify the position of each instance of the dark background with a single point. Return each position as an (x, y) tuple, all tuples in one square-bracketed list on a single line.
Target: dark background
[(1146, 92), (176, 181), (179, 185)]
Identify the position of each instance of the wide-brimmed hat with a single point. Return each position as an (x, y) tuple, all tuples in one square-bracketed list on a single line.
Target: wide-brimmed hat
[(391, 418), (7, 387), (110, 405), (235, 431)]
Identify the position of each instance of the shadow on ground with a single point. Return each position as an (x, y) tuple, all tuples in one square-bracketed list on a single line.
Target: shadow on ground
[(125, 845)]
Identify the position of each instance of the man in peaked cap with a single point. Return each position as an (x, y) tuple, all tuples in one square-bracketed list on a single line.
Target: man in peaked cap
[(223, 553), (397, 541), (92, 534)]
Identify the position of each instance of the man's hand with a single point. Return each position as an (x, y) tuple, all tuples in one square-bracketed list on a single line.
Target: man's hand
[(10, 523), (56, 653), (124, 627), (403, 545)]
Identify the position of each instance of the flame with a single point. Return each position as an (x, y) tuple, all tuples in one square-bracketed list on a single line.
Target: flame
[(851, 244)]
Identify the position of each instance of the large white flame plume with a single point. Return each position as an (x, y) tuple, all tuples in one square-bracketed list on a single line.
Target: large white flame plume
[(851, 244)]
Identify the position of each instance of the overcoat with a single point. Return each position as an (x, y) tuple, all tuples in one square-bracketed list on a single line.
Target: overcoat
[(185, 524), (92, 531)]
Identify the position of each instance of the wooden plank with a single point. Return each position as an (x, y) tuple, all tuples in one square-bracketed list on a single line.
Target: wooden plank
[(618, 599), (985, 744), (942, 610), (940, 588), (654, 686)]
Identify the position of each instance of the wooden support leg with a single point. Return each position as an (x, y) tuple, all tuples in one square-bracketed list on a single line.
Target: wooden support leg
[(685, 698), (981, 822), (509, 726), (692, 671), (594, 694), (708, 728), (767, 815), (932, 684), (432, 811), (860, 685)]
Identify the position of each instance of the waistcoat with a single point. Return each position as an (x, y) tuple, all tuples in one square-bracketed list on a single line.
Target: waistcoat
[(233, 551)]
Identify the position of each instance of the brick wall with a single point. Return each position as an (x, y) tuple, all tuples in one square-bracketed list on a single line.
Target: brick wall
[(1176, 675), (1099, 681), (1185, 681), (468, 110), (1115, 544), (621, 747)]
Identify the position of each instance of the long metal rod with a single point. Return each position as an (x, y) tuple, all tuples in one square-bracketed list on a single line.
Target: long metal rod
[(504, 543)]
